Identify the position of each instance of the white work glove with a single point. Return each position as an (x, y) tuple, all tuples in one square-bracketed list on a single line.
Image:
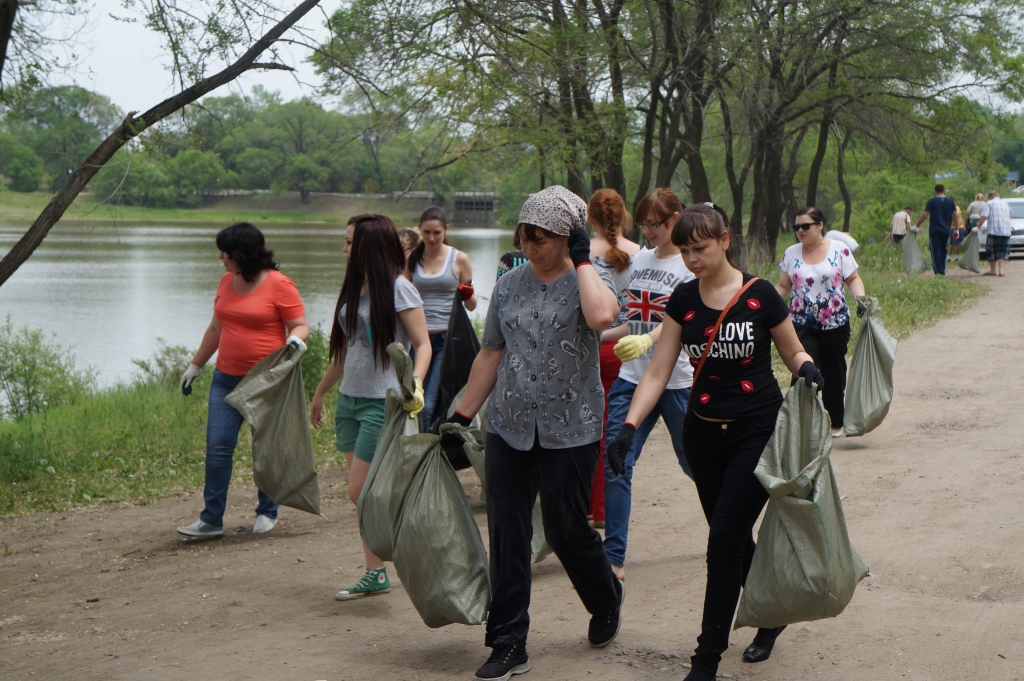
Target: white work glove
[(915, 230), (190, 375), (296, 342), (975, 230), (631, 347)]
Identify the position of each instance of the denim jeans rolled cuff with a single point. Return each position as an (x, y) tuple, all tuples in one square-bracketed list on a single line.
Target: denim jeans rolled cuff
[(432, 381), (222, 425), (562, 478), (618, 489)]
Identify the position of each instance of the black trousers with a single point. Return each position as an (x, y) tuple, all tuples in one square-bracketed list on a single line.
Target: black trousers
[(828, 350), (722, 457), (563, 477)]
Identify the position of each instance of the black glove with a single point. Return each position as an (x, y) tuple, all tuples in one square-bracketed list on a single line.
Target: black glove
[(812, 376), (579, 247), (619, 447), (861, 310), (452, 440)]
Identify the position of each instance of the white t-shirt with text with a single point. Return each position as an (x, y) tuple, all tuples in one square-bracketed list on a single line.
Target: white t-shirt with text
[(651, 282)]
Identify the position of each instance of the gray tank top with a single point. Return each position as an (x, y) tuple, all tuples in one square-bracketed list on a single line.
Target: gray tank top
[(437, 292)]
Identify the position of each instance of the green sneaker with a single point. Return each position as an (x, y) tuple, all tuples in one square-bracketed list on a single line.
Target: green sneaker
[(373, 583)]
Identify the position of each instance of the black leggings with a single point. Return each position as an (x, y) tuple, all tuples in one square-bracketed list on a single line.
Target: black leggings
[(828, 350), (722, 457)]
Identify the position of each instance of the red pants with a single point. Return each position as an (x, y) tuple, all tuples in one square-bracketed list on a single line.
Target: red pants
[(610, 366)]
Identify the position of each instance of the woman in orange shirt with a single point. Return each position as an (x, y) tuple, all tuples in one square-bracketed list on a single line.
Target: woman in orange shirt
[(255, 309)]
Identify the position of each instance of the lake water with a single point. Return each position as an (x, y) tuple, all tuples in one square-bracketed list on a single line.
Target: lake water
[(111, 292)]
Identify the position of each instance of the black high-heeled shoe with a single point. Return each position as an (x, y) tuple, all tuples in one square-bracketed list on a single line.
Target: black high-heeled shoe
[(761, 647)]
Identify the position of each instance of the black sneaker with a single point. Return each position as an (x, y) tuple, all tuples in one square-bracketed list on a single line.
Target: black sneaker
[(604, 628), (505, 662)]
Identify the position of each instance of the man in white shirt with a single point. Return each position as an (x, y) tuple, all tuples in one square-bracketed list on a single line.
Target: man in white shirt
[(899, 225), (995, 220)]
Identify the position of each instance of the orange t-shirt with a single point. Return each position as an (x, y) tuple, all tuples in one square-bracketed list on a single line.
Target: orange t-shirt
[(253, 325)]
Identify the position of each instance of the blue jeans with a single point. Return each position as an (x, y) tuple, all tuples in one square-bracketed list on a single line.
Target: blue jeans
[(618, 489), (938, 244), (432, 381), (222, 425)]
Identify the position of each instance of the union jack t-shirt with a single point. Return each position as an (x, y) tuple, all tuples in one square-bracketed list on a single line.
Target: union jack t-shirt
[(651, 282)]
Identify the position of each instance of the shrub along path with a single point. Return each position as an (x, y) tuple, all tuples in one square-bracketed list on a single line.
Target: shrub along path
[(932, 498)]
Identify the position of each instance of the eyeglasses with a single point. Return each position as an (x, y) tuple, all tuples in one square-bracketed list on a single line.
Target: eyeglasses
[(652, 224), (804, 226)]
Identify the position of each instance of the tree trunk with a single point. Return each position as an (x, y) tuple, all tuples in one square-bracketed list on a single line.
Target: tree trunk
[(8, 15), (841, 180), (131, 127), (826, 121), (304, 196)]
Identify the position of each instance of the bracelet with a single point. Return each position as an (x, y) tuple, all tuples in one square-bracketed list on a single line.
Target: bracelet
[(585, 262)]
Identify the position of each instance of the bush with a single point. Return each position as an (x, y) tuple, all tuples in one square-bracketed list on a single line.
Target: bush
[(314, 362), (37, 374)]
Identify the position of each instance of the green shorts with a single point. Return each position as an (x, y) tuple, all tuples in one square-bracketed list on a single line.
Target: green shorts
[(357, 424)]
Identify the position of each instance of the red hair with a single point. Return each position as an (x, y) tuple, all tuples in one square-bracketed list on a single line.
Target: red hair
[(659, 204), (608, 213)]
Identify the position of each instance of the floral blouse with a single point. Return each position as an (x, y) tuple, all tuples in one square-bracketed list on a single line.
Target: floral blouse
[(818, 301)]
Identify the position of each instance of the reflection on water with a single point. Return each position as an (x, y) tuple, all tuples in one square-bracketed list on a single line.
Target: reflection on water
[(111, 292)]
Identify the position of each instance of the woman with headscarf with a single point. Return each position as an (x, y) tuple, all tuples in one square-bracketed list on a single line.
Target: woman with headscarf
[(540, 356)]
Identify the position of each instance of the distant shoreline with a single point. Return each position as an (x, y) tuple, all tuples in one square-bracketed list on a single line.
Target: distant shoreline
[(285, 207)]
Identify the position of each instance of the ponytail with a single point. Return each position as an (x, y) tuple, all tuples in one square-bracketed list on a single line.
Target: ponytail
[(608, 213)]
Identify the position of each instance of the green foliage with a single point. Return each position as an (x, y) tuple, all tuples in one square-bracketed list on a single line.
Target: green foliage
[(37, 374), (196, 173), (20, 164), (127, 443), (62, 125), (314, 361)]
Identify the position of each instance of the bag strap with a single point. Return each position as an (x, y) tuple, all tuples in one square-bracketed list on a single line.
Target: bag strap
[(718, 325)]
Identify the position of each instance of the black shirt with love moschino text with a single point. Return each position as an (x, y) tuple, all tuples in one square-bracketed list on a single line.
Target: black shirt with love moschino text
[(737, 381)]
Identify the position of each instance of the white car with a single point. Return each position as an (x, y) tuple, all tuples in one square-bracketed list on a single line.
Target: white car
[(1017, 225)]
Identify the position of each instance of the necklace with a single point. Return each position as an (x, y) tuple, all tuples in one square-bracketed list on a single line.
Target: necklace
[(725, 291)]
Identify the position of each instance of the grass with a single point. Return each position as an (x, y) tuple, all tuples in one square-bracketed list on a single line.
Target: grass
[(134, 442), (257, 208), (908, 303)]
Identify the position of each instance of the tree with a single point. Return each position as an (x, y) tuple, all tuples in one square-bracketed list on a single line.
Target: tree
[(130, 128), (196, 173), (304, 175), (20, 164)]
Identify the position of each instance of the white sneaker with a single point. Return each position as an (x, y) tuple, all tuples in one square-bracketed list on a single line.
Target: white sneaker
[(837, 432), (201, 529), (264, 523)]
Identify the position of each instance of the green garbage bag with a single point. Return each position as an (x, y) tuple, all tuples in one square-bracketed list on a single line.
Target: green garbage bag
[(913, 260), (869, 387), (804, 567), (438, 553), (969, 258), (381, 498), (272, 399), (474, 451)]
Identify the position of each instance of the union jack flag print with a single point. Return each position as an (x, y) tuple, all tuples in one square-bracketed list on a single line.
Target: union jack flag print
[(647, 308)]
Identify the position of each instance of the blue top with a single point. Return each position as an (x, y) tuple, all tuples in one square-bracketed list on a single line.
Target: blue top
[(940, 211)]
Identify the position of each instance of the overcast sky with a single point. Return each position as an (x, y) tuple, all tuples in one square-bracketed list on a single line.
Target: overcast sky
[(126, 62)]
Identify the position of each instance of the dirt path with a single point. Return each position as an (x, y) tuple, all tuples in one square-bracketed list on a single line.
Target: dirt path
[(933, 500)]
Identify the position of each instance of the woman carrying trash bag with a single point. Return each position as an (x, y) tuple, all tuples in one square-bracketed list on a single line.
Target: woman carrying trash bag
[(437, 271), (540, 352), (815, 271), (255, 312), (724, 321), (377, 306)]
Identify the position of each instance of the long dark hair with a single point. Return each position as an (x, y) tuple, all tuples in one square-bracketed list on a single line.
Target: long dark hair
[(704, 221), (244, 243), (430, 213), (608, 211), (377, 259)]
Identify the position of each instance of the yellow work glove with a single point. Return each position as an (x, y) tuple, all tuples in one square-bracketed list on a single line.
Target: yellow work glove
[(630, 347), (415, 405)]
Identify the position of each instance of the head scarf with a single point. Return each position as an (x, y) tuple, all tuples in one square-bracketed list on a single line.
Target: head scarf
[(555, 209)]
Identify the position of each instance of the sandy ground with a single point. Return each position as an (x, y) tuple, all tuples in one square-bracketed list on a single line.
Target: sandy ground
[(933, 500)]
